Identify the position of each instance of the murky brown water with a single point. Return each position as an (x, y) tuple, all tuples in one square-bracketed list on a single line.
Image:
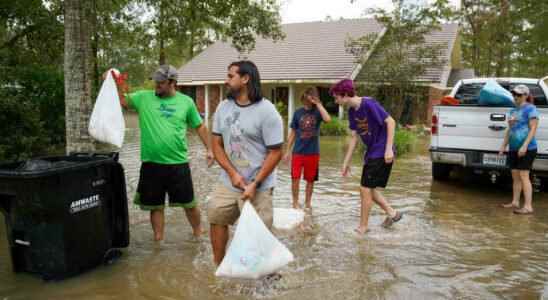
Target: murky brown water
[(453, 243)]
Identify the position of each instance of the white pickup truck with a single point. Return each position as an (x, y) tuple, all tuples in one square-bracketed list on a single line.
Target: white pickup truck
[(469, 136)]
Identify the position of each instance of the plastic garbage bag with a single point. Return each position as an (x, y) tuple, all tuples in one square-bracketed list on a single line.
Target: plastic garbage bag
[(287, 218), (493, 94), (254, 252), (107, 121)]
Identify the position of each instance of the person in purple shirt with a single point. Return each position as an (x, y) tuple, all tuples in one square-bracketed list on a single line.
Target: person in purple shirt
[(376, 128)]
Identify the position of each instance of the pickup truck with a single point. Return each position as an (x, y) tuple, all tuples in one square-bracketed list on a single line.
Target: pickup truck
[(469, 136)]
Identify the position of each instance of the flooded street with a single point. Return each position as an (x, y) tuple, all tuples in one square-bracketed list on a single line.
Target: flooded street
[(454, 242)]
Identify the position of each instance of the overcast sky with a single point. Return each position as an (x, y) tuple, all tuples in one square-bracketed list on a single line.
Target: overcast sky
[(295, 11)]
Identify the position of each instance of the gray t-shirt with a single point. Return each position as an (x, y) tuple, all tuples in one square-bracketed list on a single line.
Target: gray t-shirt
[(248, 132)]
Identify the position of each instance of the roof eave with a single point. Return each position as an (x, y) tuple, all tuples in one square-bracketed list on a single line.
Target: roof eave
[(359, 66)]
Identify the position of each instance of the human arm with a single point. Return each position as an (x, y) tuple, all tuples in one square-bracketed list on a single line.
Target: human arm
[(349, 151), (533, 125), (390, 132), (323, 112), (204, 137), (290, 144)]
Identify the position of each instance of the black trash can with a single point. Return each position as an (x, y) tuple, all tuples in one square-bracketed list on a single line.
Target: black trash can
[(64, 214)]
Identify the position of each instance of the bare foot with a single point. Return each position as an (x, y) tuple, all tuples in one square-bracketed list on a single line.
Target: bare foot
[(510, 205), (197, 232), (158, 237), (524, 211), (296, 206), (361, 230)]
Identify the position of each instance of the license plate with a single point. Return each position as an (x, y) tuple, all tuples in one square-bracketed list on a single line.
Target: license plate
[(494, 159)]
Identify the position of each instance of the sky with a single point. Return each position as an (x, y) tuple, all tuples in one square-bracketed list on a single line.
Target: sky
[(296, 11)]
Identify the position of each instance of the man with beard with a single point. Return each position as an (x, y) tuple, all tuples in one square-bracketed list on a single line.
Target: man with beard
[(164, 115), (247, 144)]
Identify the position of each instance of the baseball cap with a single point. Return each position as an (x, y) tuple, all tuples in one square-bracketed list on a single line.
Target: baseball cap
[(520, 89), (163, 73)]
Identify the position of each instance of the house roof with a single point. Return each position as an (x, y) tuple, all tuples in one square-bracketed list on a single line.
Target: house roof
[(313, 51), (445, 37), (458, 74)]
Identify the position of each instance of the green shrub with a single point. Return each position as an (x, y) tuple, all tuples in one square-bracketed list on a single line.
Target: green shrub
[(33, 113), (404, 140), (281, 107), (334, 128)]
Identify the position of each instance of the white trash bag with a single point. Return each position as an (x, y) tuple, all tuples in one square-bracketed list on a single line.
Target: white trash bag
[(107, 121), (287, 218), (254, 252)]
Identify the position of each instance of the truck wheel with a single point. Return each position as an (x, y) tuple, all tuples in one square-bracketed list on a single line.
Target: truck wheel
[(441, 171)]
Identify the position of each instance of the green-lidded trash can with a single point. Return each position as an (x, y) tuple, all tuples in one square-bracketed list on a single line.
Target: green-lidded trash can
[(64, 214)]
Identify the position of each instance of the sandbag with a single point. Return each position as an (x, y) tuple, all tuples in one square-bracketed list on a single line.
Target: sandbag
[(107, 120), (254, 252), (287, 218), (493, 94)]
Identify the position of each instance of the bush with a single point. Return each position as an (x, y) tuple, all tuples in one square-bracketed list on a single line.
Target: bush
[(33, 114), (281, 107), (404, 140), (334, 128)]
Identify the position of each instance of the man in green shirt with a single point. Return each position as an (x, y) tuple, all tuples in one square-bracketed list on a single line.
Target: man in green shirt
[(164, 116)]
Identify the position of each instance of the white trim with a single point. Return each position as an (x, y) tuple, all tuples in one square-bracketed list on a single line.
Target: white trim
[(365, 58), (290, 106), (269, 81), (206, 104)]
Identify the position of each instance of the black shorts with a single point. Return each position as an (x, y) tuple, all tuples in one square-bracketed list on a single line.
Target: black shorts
[(521, 163), (155, 180), (376, 173)]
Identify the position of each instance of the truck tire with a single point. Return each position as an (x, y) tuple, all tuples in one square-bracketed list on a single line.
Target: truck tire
[(441, 171)]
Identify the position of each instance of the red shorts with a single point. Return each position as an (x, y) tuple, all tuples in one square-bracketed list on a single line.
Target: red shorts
[(307, 162)]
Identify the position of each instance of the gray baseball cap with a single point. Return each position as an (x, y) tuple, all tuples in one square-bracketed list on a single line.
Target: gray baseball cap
[(163, 73), (521, 89)]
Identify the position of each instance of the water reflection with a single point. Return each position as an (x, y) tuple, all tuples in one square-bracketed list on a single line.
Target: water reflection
[(453, 243)]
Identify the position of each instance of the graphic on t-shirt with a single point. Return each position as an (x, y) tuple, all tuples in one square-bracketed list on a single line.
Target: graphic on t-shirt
[(166, 111), (238, 145), (307, 123), (362, 125), (519, 127)]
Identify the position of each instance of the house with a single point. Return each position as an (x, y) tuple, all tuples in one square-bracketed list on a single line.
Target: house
[(312, 54)]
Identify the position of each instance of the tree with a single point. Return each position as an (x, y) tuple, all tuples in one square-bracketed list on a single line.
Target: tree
[(395, 61), (78, 72), (31, 85), (191, 25), (505, 38)]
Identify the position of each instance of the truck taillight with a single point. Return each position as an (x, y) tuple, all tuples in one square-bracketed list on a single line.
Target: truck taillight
[(434, 129)]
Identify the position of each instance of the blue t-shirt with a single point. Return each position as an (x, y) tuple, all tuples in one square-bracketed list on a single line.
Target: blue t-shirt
[(306, 123), (519, 130)]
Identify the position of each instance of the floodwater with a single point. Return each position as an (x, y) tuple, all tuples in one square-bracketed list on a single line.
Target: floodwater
[(453, 243)]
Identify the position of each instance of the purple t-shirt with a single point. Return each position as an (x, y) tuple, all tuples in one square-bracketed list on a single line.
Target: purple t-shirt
[(368, 122)]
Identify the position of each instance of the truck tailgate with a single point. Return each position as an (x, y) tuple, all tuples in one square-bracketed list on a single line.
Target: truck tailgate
[(479, 128)]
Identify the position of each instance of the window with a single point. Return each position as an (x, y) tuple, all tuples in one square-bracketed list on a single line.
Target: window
[(468, 94)]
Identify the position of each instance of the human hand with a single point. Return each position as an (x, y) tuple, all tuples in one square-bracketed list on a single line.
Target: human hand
[(210, 158), (389, 156), (346, 171), (522, 151), (249, 191), (238, 181)]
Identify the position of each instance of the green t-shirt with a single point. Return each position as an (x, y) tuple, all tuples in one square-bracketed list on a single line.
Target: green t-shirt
[(163, 123)]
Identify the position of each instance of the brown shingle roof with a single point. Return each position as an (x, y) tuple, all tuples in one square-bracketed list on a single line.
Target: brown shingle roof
[(310, 51)]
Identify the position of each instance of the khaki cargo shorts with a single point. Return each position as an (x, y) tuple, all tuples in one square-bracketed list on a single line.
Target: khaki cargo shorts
[(225, 204)]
